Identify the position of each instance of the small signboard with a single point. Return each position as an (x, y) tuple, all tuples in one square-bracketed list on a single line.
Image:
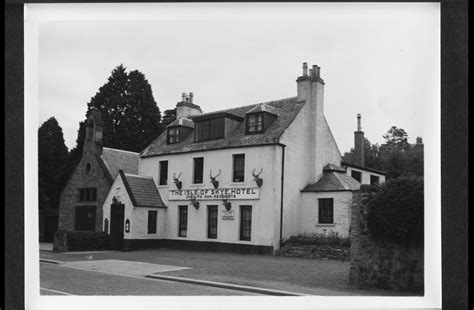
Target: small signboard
[(215, 194), (228, 215)]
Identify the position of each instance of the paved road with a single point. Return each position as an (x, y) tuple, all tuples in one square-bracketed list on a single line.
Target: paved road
[(62, 280)]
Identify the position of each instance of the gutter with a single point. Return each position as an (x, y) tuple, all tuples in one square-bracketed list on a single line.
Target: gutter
[(282, 187)]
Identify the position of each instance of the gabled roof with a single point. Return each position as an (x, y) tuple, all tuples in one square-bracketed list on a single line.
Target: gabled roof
[(288, 109), (182, 122), (142, 190), (333, 181), (115, 160), (263, 107)]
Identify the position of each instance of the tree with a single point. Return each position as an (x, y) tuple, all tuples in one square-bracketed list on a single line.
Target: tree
[(169, 117), (371, 155), (132, 120), (52, 155), (396, 137)]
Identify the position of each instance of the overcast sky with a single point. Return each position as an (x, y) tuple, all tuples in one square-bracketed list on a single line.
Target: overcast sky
[(380, 60)]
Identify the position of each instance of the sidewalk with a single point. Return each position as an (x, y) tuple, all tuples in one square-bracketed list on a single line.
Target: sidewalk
[(299, 275)]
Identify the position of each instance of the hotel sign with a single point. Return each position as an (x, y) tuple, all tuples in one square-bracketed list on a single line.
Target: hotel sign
[(215, 194)]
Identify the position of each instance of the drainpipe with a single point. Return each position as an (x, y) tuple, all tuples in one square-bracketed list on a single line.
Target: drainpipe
[(282, 184)]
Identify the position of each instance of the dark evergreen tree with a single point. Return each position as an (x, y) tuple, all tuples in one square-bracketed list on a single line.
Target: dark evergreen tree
[(396, 137), (132, 120), (169, 116), (371, 155), (52, 155)]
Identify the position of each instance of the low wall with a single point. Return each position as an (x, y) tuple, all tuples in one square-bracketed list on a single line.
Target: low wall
[(316, 251), (382, 264)]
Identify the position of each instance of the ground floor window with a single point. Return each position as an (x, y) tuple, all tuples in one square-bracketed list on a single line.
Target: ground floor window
[(183, 221), (212, 222), (356, 175), (152, 215), (84, 218), (245, 222), (326, 211)]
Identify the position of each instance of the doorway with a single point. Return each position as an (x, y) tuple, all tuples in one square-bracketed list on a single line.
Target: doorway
[(116, 226)]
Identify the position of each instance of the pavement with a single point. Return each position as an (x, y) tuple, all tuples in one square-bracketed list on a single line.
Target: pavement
[(259, 274)]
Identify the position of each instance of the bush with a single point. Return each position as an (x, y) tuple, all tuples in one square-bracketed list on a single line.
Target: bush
[(332, 239), (87, 240), (396, 213)]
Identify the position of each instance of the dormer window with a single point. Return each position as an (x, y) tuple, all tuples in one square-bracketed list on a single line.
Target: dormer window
[(210, 129), (255, 123), (173, 135)]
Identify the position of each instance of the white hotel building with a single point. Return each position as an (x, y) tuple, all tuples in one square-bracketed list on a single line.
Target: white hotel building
[(239, 179)]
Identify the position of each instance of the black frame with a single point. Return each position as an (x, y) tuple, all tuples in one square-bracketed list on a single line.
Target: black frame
[(175, 135), (219, 133), (245, 233), (247, 126), (82, 221), (212, 219), (326, 210), (200, 173), (87, 194), (183, 221), (240, 175), (163, 177), (152, 221)]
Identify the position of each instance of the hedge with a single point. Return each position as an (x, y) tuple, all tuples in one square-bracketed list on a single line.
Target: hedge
[(396, 211), (317, 239), (87, 240)]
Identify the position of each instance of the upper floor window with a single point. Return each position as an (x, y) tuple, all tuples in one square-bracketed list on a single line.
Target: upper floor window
[(198, 170), (87, 194), (239, 168), (163, 172), (356, 175), (209, 129), (255, 123), (374, 179), (173, 135)]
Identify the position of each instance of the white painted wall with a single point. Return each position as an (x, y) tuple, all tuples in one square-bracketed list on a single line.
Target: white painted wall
[(342, 213), (365, 178), (138, 216), (265, 211)]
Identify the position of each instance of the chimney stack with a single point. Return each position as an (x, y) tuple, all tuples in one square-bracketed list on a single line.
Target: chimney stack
[(191, 97), (359, 143), (305, 69), (186, 108), (419, 140)]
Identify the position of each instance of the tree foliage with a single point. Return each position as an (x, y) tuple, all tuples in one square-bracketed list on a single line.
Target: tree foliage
[(395, 212), (52, 155), (132, 120), (169, 116), (396, 156)]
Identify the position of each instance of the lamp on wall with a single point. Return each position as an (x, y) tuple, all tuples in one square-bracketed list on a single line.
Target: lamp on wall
[(127, 226)]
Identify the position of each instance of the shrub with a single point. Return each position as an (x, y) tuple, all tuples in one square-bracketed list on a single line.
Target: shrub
[(87, 240), (396, 213), (332, 239)]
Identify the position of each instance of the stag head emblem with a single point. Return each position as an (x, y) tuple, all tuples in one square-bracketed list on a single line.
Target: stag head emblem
[(176, 181), (213, 179), (226, 204), (195, 203), (257, 178)]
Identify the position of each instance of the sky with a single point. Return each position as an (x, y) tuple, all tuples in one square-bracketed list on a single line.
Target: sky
[(378, 59)]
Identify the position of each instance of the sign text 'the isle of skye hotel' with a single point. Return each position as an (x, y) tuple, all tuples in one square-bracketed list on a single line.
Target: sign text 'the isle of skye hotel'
[(215, 194)]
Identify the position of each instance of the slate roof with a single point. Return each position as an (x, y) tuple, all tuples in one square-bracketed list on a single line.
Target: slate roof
[(142, 191), (263, 107), (287, 110), (182, 122), (333, 181), (115, 160)]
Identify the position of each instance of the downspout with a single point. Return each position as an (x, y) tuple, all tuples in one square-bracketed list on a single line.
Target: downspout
[(282, 184)]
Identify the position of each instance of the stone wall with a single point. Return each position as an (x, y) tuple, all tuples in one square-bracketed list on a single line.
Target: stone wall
[(316, 251), (378, 263)]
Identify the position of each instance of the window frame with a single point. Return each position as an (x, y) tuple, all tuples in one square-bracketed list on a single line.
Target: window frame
[(372, 177), (242, 225), (176, 135), (199, 123), (86, 194), (152, 222), (90, 224), (357, 172), (183, 221), (247, 123), (160, 168), (323, 203), (194, 170), (211, 228), (234, 157)]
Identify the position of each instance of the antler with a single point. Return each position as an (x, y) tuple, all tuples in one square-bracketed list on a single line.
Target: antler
[(256, 175), (210, 174), (176, 178)]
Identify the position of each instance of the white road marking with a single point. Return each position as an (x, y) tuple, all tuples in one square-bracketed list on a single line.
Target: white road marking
[(54, 291)]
